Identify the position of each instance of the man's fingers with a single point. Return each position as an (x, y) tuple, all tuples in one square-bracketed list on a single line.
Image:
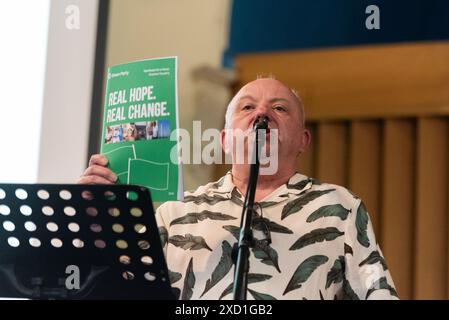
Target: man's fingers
[(93, 180), (97, 172), (103, 172), (98, 159)]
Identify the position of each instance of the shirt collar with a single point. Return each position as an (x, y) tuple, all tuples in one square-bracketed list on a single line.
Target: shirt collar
[(296, 184)]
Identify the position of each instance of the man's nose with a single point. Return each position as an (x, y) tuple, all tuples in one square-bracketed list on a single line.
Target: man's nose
[(262, 111)]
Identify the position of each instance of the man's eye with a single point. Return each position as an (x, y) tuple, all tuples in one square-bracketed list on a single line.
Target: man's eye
[(279, 108)]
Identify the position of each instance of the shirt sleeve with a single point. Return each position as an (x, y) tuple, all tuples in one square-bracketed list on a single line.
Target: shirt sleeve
[(366, 272), (162, 228)]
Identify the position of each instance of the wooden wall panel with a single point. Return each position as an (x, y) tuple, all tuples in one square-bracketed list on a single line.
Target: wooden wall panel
[(397, 215), (373, 81), (332, 152), (364, 166), (431, 214)]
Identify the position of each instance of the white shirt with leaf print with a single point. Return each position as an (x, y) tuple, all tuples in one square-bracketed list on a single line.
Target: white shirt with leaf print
[(323, 245)]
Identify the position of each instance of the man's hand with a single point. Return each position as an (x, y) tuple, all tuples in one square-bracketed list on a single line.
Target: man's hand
[(97, 172)]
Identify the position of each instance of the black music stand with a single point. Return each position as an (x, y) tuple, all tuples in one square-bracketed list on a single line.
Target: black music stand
[(80, 242)]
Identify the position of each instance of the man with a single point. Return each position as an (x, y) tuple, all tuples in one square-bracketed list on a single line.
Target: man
[(319, 245)]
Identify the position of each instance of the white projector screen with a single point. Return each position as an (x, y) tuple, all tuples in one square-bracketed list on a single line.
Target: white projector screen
[(68, 90), (23, 34)]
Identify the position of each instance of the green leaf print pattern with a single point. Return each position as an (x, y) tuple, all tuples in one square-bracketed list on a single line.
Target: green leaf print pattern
[(361, 224), (223, 267), (195, 217), (189, 282), (317, 235), (304, 271), (252, 278), (336, 274), (189, 241), (297, 204), (333, 210), (373, 258)]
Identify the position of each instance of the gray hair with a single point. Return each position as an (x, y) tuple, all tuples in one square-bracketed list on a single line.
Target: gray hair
[(232, 103)]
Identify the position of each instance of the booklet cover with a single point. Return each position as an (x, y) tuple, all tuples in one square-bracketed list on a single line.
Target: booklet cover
[(141, 112)]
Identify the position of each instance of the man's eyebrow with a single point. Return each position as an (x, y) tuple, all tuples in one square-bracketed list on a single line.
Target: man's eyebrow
[(246, 97), (278, 100), (275, 99)]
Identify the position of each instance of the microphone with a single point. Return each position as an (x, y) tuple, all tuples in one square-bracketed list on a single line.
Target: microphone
[(261, 123)]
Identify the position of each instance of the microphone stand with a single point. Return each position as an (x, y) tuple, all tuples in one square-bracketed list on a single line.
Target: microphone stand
[(246, 236)]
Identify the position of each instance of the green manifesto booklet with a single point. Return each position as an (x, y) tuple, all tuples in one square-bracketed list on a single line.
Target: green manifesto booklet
[(141, 112)]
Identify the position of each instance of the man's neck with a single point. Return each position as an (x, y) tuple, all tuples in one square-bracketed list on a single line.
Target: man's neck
[(266, 184)]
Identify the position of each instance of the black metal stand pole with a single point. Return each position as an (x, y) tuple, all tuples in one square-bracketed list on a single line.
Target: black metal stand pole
[(246, 237)]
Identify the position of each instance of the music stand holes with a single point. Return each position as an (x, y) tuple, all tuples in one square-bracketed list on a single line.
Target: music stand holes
[(69, 211), (51, 226), (143, 244), (146, 260), (13, 242), (26, 210), (114, 212), (149, 276), (91, 211), (30, 226), (78, 243), (94, 227), (21, 194), (48, 211), (9, 226), (4, 210), (55, 242), (131, 195), (65, 195), (118, 228), (110, 196), (2, 194), (128, 275), (121, 244), (136, 212), (34, 242), (43, 194), (87, 195), (140, 228), (100, 244), (125, 260), (74, 227)]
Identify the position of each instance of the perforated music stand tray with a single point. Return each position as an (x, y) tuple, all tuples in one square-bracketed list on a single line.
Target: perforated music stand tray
[(102, 238)]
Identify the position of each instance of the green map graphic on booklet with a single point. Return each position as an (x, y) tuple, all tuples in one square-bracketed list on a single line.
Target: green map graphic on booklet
[(141, 112)]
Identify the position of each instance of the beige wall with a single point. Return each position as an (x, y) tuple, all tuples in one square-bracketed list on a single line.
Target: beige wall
[(195, 30)]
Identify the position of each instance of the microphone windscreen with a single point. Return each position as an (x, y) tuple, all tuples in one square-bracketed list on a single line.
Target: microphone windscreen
[(261, 123)]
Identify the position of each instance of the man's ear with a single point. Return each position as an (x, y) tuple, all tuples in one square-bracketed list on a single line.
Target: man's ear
[(306, 138)]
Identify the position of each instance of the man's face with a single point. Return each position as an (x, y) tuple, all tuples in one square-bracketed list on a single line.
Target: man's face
[(271, 98)]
